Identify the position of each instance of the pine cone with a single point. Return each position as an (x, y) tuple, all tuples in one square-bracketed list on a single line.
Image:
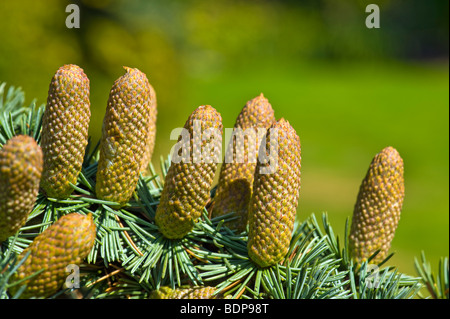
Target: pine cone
[(67, 242), (20, 173), (378, 207), (125, 136), (189, 179), (234, 189), (184, 293), (65, 125), (151, 131), (273, 206)]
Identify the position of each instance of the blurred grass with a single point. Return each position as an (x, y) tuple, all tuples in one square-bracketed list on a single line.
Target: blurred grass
[(347, 90)]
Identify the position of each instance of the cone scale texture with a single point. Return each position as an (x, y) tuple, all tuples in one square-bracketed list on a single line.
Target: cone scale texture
[(151, 131), (188, 182), (273, 206), (21, 164), (184, 293), (65, 125), (67, 242), (235, 184), (125, 135), (378, 207)]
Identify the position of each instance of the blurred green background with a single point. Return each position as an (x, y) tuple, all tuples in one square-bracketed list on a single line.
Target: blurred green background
[(349, 91)]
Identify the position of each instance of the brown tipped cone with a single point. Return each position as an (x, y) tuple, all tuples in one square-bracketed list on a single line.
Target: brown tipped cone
[(235, 184), (378, 207), (125, 135), (276, 186), (188, 182), (20, 173), (65, 125), (67, 242), (184, 293)]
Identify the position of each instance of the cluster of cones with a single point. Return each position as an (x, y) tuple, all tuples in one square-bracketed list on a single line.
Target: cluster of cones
[(54, 165), (265, 204)]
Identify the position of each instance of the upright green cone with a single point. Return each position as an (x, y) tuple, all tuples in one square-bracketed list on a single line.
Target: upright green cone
[(191, 173), (20, 172), (151, 131), (235, 184), (66, 243), (276, 186), (378, 207), (65, 125), (125, 139)]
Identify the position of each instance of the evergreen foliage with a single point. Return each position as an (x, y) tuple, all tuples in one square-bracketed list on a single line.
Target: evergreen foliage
[(131, 258)]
